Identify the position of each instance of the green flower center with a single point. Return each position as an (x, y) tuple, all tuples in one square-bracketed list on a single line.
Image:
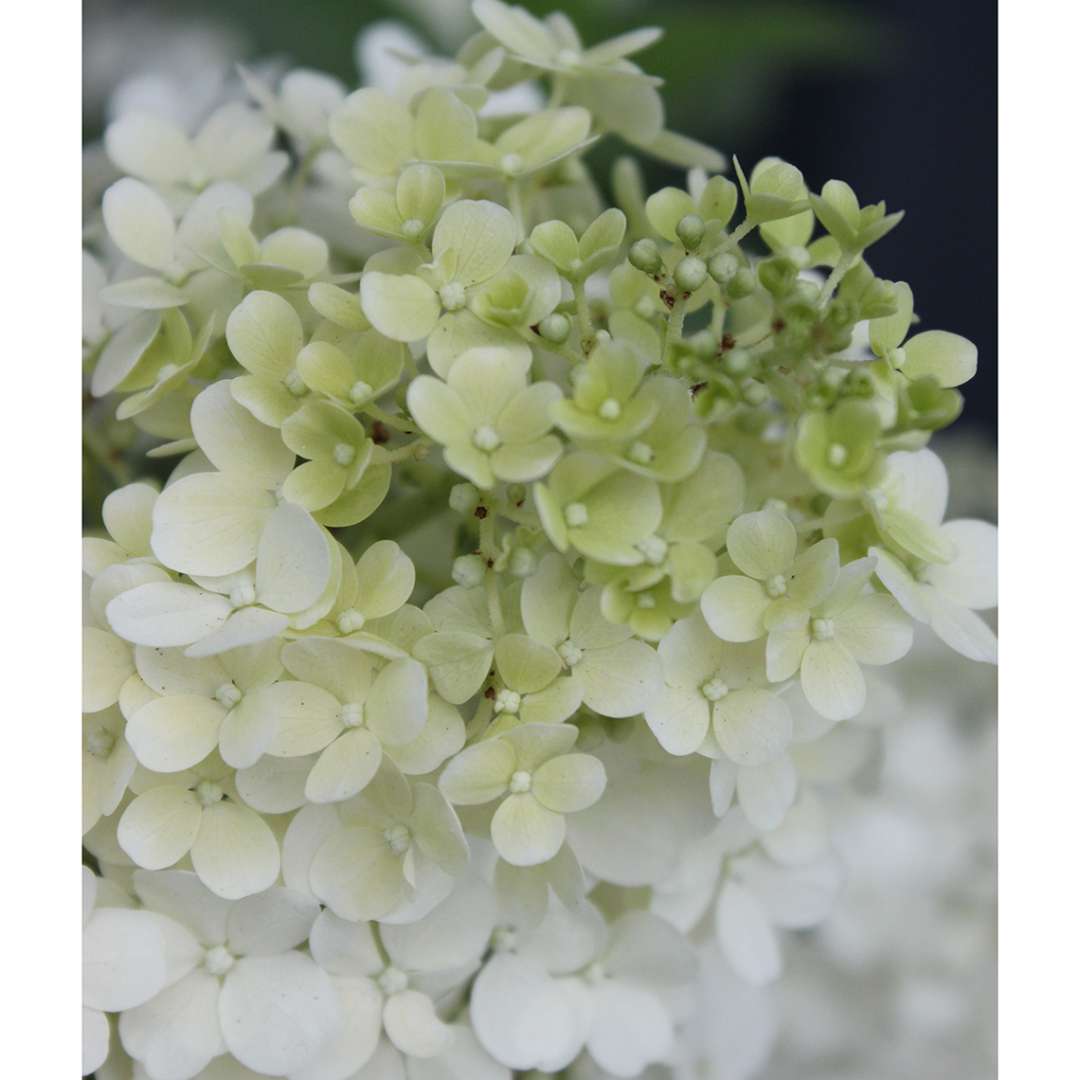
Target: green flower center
[(822, 629), (715, 688), (398, 838), (507, 701), (486, 438), (452, 295), (218, 960), (352, 714), (776, 585), (228, 694), (208, 792), (520, 782), (576, 515)]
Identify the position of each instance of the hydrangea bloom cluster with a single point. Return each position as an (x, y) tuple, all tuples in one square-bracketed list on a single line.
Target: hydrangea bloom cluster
[(511, 603)]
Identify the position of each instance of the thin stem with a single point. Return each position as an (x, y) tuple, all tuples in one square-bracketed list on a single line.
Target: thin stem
[(584, 316), (391, 420), (673, 329), (842, 266), (105, 455), (517, 207), (411, 451)]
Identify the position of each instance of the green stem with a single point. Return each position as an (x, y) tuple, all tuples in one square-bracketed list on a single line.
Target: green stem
[(106, 456), (584, 317), (833, 280), (391, 420), (673, 329)]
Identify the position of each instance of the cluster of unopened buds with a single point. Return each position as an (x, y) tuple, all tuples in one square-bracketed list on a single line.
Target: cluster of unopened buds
[(500, 594)]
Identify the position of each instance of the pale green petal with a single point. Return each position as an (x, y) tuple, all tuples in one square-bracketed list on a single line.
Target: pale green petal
[(534, 744), (762, 544), (679, 719), (526, 462), (374, 131), (621, 680), (305, 717), (874, 630), (525, 665), (478, 774), (734, 607), (356, 874), (209, 524), (127, 513), (396, 708), (344, 768), (293, 565), (166, 614), (170, 734), (457, 661), (911, 594), (950, 358), (457, 332), (314, 485), (139, 223), (264, 334), (160, 826), (569, 783), (752, 726), (478, 238), (440, 411), (385, 578), (107, 663), (553, 705), (524, 832), (401, 306), (814, 573), (235, 853), (486, 381), (832, 680)]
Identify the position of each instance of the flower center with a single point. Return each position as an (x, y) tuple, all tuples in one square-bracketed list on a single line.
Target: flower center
[(486, 438), (507, 701), (595, 973), (822, 629), (360, 391), (452, 295), (392, 981), (411, 228), (208, 792), (294, 384), (641, 452), (646, 600), (348, 622), (398, 838), (715, 688), (610, 409), (218, 960), (570, 653), (504, 939), (520, 782), (837, 455), (576, 515), (344, 454), (776, 585), (228, 694), (567, 57), (352, 714)]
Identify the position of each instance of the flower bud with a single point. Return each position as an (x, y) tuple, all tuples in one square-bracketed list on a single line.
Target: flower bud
[(777, 274), (468, 571), (742, 284), (463, 498), (555, 328), (737, 362), (690, 274), (645, 256), (723, 267), (691, 231), (703, 344)]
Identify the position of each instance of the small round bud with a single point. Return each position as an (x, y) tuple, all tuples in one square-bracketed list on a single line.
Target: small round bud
[(753, 392), (691, 231), (555, 328), (742, 283), (737, 362), (777, 275), (723, 267), (690, 274), (645, 256), (463, 498), (522, 562), (703, 344), (411, 228), (468, 571)]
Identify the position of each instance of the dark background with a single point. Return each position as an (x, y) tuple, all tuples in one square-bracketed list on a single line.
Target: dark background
[(898, 97)]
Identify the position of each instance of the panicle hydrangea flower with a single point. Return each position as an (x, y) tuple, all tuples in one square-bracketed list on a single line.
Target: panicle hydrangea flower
[(515, 756)]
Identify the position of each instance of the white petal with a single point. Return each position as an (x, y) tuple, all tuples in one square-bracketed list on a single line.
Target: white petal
[(569, 782), (679, 720), (170, 734), (95, 1040), (526, 833), (139, 223), (277, 1012), (209, 524), (723, 776), (766, 792), (183, 897), (795, 897), (159, 826), (344, 768), (621, 680), (962, 630), (413, 1026), (342, 1055), (752, 726), (396, 708), (630, 1028), (149, 146), (734, 607), (166, 614), (127, 513), (107, 664), (832, 680), (293, 562), (248, 626), (970, 580), (274, 785), (235, 442), (762, 544), (270, 922), (804, 835), (124, 960), (235, 853), (176, 1035), (746, 936), (875, 630), (345, 948)]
